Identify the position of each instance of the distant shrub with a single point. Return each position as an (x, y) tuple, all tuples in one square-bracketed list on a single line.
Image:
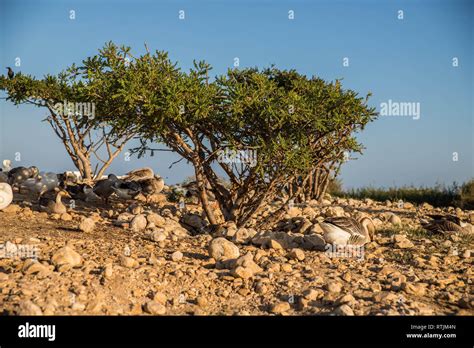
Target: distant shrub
[(467, 195), (438, 196), (335, 187)]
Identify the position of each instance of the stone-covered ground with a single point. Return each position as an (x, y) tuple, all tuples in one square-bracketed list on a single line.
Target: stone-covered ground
[(136, 260)]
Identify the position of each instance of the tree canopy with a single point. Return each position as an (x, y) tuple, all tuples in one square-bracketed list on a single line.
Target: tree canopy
[(267, 130)]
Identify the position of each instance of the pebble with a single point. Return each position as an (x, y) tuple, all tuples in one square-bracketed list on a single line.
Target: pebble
[(177, 256), (154, 308), (29, 308), (280, 307), (297, 254), (334, 287), (201, 301), (402, 242), (108, 271), (160, 298), (344, 310), (414, 288), (66, 217), (128, 262), (395, 220)]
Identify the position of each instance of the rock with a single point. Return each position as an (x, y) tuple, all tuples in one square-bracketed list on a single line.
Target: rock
[(325, 202), (128, 262), (466, 302), (221, 249), (297, 254), (194, 221), (108, 271), (408, 205), (135, 208), (417, 289), (274, 244), (177, 256), (138, 223), (334, 287), (66, 256), (344, 310), (402, 242), (124, 218), (471, 218), (95, 305), (229, 229), (286, 267), (242, 272), (315, 241), (312, 294), (201, 301), (293, 212), (280, 307), (334, 211), (466, 254), (36, 268), (87, 225), (395, 220), (66, 217), (29, 308), (157, 235), (427, 206), (154, 308), (160, 298), (244, 235), (154, 218), (346, 299), (244, 267), (78, 306), (385, 296)]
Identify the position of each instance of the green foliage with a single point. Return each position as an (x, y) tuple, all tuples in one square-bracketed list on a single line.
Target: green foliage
[(293, 122), (438, 196)]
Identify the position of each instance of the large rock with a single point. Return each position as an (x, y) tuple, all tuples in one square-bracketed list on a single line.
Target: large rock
[(280, 307), (245, 267), (220, 249), (154, 308), (315, 241), (194, 221), (334, 211), (29, 308), (138, 223), (395, 220), (402, 242), (244, 235), (297, 254), (154, 218), (344, 310), (66, 256)]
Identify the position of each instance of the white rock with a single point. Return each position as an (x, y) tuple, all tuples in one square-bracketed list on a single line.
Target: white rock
[(138, 223)]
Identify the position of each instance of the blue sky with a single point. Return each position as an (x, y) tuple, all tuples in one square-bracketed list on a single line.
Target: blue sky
[(403, 60)]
